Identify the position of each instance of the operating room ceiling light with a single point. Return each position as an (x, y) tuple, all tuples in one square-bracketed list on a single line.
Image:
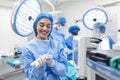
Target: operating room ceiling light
[(93, 16), (23, 16)]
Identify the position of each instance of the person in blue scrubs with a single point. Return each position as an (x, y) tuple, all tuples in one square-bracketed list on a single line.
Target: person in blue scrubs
[(72, 44), (57, 32), (72, 49), (44, 58), (99, 32)]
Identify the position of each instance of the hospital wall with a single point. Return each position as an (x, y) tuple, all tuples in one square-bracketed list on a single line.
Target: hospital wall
[(75, 10), (8, 39)]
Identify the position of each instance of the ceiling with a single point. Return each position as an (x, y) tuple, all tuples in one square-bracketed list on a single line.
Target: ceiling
[(10, 3), (7, 3)]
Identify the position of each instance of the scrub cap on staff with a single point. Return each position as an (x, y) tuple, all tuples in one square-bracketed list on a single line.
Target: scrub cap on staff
[(100, 27), (74, 28)]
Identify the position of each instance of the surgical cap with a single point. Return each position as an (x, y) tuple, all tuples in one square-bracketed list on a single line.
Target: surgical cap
[(74, 28), (61, 20), (100, 27), (39, 17)]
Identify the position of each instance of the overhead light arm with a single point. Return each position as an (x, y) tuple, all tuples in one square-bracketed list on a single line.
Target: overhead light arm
[(110, 4), (53, 7), (107, 4)]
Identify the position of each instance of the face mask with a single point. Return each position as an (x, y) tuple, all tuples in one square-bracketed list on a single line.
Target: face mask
[(60, 28), (97, 36)]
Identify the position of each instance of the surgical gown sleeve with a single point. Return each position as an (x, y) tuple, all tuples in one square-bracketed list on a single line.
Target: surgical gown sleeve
[(31, 72), (68, 42), (60, 67)]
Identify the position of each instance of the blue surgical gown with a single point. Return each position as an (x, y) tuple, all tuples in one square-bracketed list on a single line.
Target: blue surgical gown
[(59, 36), (106, 44), (69, 45), (72, 44), (35, 48)]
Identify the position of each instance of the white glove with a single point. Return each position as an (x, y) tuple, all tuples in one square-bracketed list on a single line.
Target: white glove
[(66, 50), (39, 62), (49, 60)]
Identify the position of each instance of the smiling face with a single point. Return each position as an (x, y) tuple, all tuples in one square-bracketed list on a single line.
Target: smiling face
[(43, 29)]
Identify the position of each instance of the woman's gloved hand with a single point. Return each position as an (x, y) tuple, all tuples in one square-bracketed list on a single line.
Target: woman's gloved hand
[(49, 60), (39, 62)]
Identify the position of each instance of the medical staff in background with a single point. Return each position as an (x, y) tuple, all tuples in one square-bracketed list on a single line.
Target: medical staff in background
[(72, 50), (100, 32), (44, 58), (58, 35), (57, 32), (72, 44)]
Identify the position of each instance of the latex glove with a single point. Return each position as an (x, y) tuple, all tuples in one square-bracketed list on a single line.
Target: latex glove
[(39, 62), (49, 60), (66, 50)]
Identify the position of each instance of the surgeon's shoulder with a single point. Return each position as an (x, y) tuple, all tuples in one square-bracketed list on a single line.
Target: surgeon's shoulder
[(28, 47), (30, 43)]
